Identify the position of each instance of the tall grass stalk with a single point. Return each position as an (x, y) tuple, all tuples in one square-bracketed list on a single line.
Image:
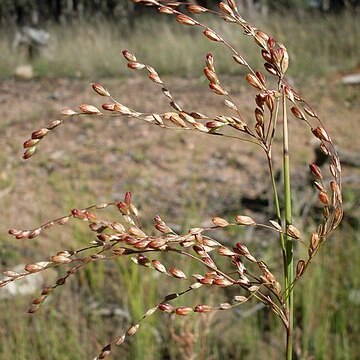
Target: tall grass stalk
[(221, 265), (289, 274)]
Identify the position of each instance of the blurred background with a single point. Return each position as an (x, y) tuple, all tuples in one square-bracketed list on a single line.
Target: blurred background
[(50, 52)]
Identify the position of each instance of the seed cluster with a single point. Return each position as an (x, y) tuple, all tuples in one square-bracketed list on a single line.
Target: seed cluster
[(113, 239)]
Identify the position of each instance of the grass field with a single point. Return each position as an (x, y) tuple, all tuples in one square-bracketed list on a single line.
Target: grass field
[(91, 50)]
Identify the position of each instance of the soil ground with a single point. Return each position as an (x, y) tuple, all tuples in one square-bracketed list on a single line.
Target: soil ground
[(101, 158), (185, 177)]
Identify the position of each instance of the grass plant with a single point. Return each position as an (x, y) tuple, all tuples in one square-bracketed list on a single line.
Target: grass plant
[(234, 267)]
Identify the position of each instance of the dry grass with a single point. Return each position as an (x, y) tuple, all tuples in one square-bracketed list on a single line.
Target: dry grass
[(317, 44)]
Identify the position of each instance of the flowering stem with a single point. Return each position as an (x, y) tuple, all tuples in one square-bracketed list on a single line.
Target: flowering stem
[(289, 273)]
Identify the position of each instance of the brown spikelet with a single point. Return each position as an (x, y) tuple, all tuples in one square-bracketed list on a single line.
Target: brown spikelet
[(177, 273), (212, 35), (293, 232), (244, 220), (323, 197), (254, 81), (219, 221), (202, 308), (196, 9), (183, 310), (129, 56), (226, 8), (100, 89), (89, 109), (185, 20), (315, 170)]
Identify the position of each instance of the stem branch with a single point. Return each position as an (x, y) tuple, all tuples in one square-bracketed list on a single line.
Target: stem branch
[(289, 273)]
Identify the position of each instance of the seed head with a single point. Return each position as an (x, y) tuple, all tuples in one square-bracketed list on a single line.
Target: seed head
[(201, 127), (206, 281), (39, 134), (217, 89), (155, 78), (300, 267), (120, 340), (269, 101), (164, 307), (239, 299), (298, 113), (166, 10), (315, 170), (212, 35), (261, 77), (232, 4), (157, 243), (30, 143), (225, 306), (183, 310), (270, 68), (135, 65), (196, 9), (106, 351), (129, 56), (159, 266), (293, 231), (321, 134), (239, 59), (100, 89), (122, 109), (314, 240), (89, 109), (135, 231), (177, 273), (310, 112), (226, 8), (284, 62), (261, 39), (223, 282), (33, 309), (224, 251), (185, 20), (254, 81), (202, 308), (242, 249), (266, 55), (39, 300), (211, 75), (244, 220), (67, 112), (323, 197), (132, 331), (58, 259), (31, 268), (259, 115), (219, 221)]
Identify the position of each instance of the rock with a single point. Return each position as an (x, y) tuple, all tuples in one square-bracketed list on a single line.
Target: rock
[(31, 40), (30, 284), (352, 79), (24, 72), (30, 35), (110, 310)]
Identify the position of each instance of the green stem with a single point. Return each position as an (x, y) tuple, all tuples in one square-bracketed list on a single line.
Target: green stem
[(273, 182), (277, 208), (289, 274)]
